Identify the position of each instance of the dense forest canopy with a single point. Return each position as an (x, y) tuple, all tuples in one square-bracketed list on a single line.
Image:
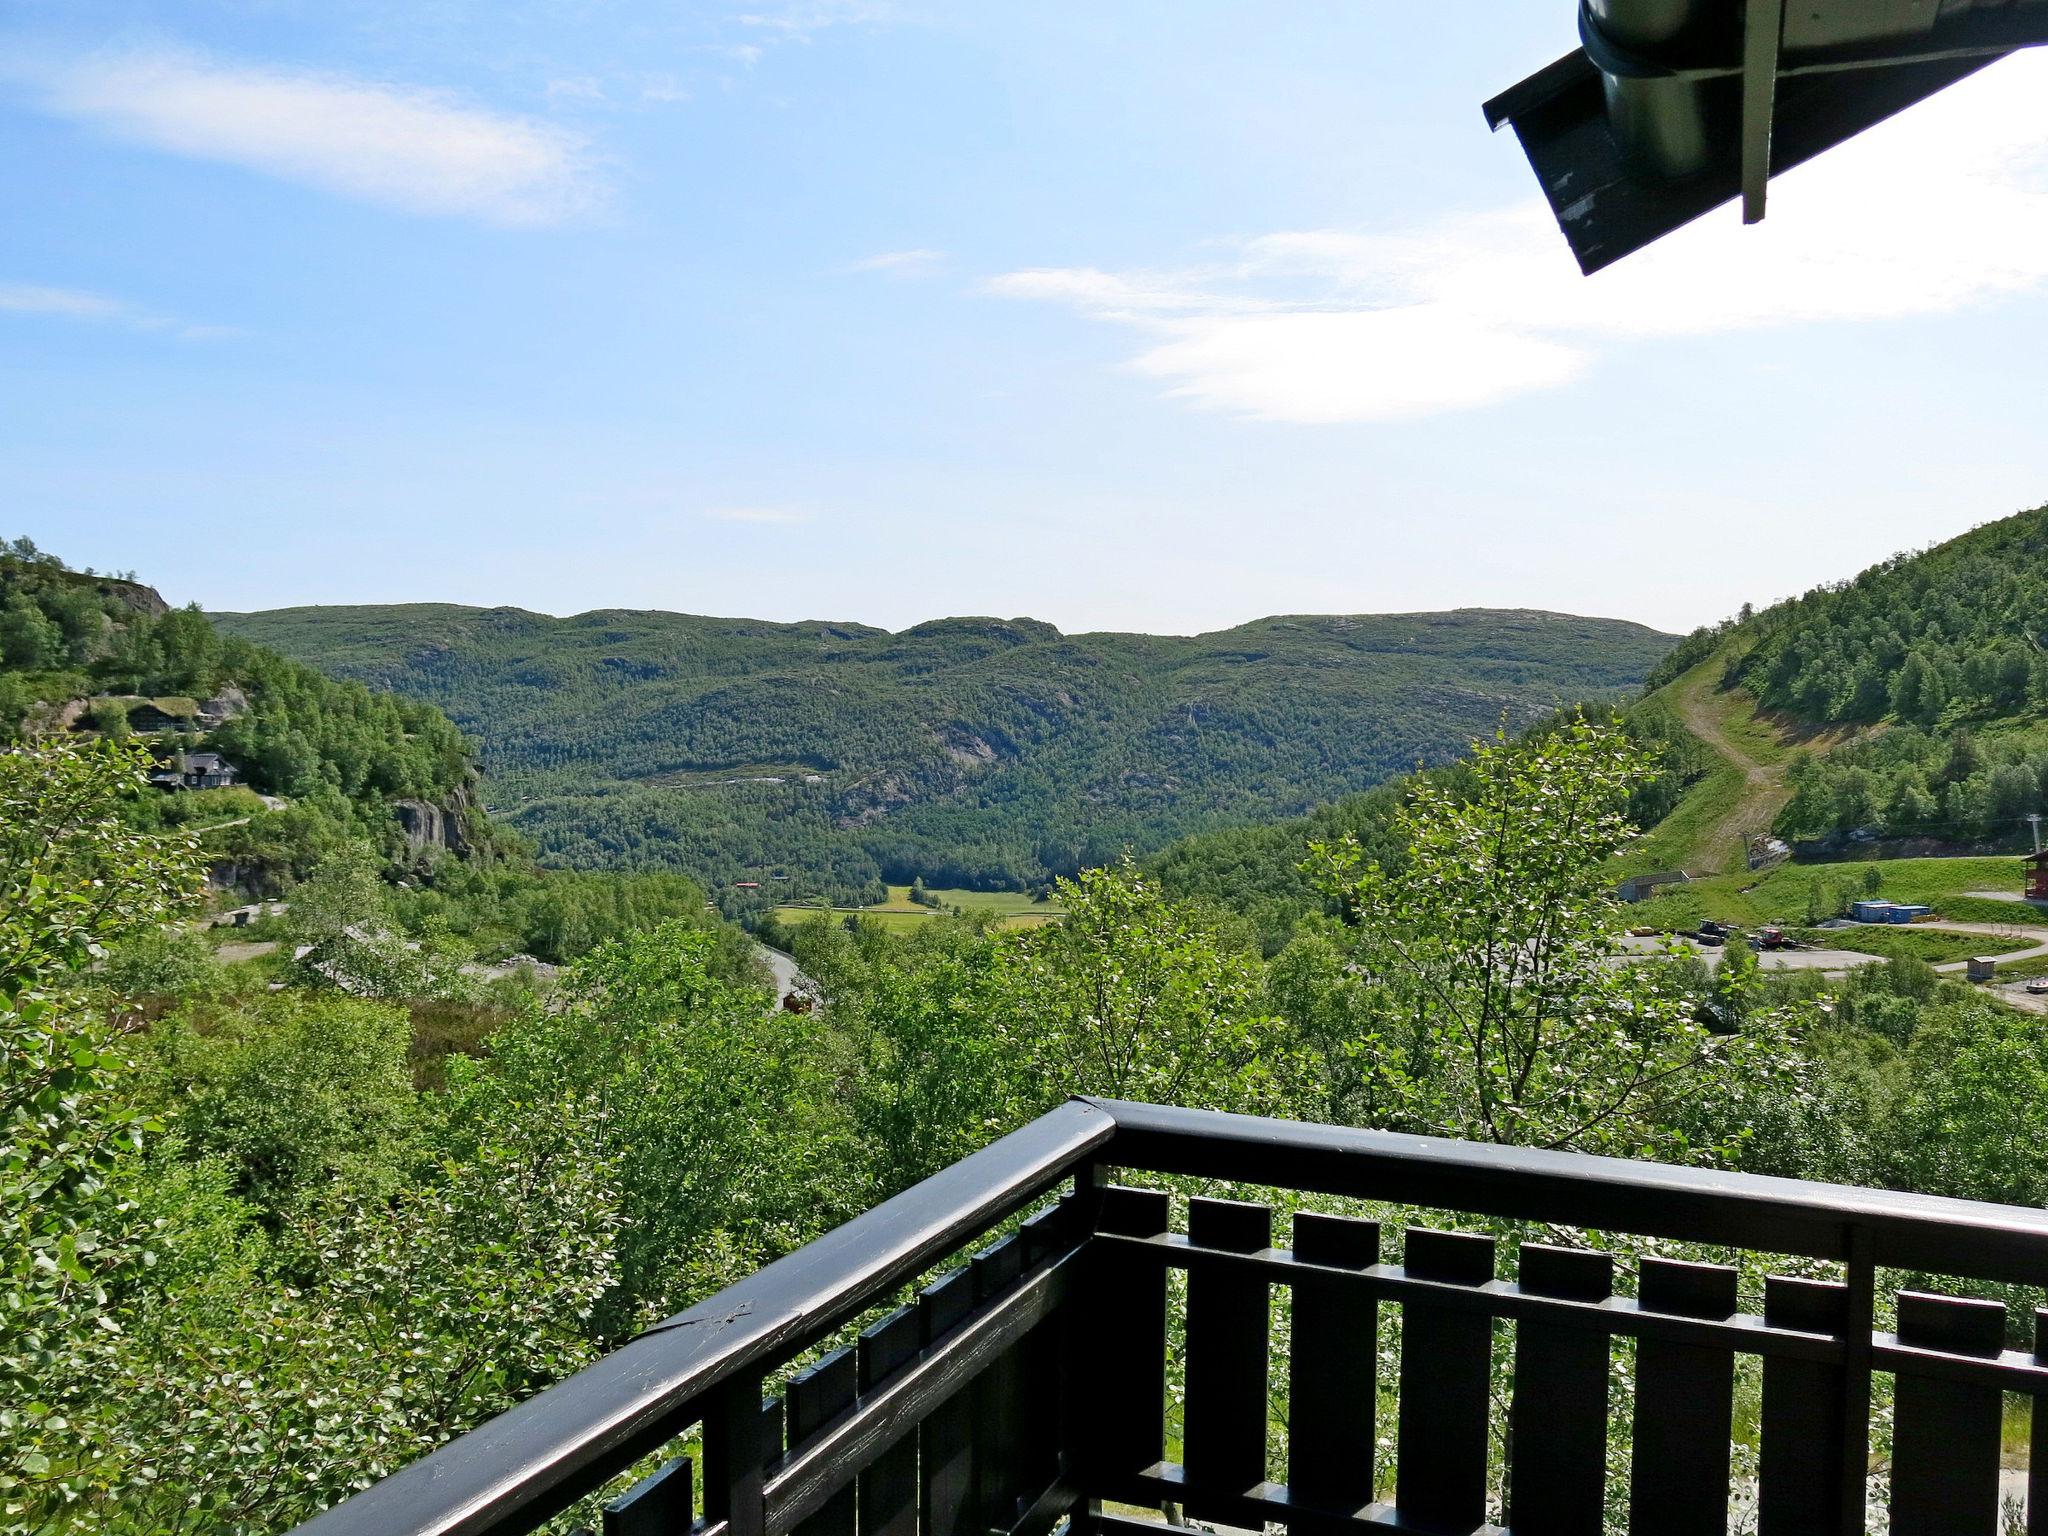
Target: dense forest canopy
[(975, 752), (1942, 656), (1951, 635)]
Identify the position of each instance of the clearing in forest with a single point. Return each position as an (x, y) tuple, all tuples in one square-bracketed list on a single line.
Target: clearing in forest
[(1711, 829)]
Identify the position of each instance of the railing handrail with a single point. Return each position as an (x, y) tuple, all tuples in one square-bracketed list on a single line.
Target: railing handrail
[(1968, 1238), (551, 1449)]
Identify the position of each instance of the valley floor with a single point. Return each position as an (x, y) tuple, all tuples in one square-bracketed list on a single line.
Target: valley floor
[(1012, 909)]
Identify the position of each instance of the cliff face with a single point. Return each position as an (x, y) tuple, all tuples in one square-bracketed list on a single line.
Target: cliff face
[(132, 594), (427, 825)]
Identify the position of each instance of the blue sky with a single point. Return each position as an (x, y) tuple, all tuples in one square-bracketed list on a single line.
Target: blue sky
[(1133, 315)]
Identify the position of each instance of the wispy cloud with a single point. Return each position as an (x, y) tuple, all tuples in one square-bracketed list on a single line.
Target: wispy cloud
[(96, 308), (758, 514), (803, 20), (424, 151), (901, 263), (1942, 209)]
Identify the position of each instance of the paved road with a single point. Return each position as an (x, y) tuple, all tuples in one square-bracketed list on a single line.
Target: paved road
[(231, 954), (1843, 960), (784, 966), (1770, 959)]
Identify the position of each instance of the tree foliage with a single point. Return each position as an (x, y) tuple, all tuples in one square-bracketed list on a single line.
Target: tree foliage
[(74, 877), (1496, 1007)]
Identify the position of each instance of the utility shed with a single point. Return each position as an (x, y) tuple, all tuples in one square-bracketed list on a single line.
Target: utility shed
[(1670, 108), (1643, 887)]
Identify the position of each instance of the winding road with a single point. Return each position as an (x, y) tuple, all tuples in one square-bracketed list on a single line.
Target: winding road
[(783, 964)]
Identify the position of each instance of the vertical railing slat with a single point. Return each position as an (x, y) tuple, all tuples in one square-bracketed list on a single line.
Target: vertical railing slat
[(888, 1489), (1446, 1361), (1332, 1367), (816, 1397), (1799, 1484), (660, 1504), (2037, 1443), (998, 1413), (946, 1464), (1685, 1407), (1041, 1434), (1945, 1434), (1228, 1342), (1116, 1379), (1853, 1472), (737, 1447), (1557, 1427)]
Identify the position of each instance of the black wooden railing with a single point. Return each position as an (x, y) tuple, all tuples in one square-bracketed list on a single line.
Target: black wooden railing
[(1029, 1386)]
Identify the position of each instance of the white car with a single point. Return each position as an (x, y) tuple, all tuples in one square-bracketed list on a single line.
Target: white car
[(2038, 985)]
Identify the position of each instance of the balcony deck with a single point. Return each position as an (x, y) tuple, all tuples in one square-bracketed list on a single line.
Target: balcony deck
[(1028, 1387)]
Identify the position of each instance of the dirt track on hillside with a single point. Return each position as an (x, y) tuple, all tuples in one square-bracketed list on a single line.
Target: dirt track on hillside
[(1725, 843), (1723, 847)]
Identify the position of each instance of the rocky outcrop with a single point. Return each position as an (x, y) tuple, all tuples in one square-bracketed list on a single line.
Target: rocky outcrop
[(133, 595), (224, 706), (427, 825)]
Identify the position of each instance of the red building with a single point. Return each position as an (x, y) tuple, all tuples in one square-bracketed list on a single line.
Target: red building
[(2037, 876)]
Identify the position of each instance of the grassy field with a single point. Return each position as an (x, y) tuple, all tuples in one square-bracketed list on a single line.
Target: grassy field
[(1910, 943), (899, 914), (1780, 895)]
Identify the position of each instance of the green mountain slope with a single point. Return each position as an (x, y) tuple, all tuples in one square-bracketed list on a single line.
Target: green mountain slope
[(84, 653), (1902, 712), (969, 751), (1911, 703)]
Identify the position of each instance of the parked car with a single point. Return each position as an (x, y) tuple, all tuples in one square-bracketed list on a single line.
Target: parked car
[(2038, 986)]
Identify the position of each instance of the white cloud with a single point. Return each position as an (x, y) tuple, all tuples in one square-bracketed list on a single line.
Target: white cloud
[(901, 263), (419, 150), (77, 304), (1941, 209), (758, 514)]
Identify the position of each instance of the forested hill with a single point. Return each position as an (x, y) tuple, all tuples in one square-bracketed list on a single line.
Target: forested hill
[(316, 760), (1929, 671), (1953, 635), (968, 751), (1902, 711)]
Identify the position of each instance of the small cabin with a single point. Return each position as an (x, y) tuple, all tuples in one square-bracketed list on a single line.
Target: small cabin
[(2037, 875), (1981, 968), (208, 770), (196, 770)]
